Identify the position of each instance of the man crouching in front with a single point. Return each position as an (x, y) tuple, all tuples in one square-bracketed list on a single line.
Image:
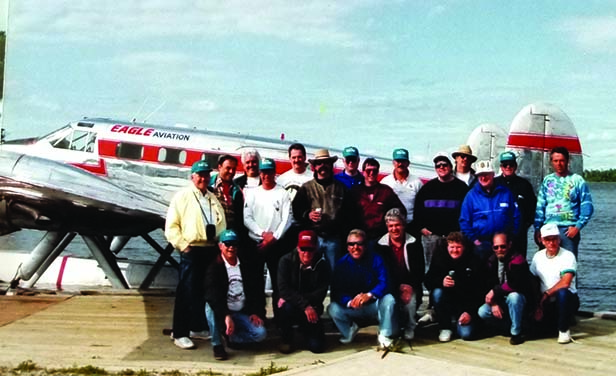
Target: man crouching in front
[(234, 299), (360, 293)]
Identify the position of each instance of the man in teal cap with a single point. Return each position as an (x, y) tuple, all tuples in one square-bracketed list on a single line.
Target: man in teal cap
[(350, 176), (405, 185), (267, 217), (525, 197), (234, 298), (195, 219)]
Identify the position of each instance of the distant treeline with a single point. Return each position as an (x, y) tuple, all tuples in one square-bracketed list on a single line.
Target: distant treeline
[(600, 175)]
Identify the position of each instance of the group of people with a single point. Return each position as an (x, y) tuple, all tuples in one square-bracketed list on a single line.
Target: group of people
[(462, 235)]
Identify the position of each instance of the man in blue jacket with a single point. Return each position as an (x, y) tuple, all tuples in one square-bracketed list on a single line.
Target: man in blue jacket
[(360, 293), (488, 208)]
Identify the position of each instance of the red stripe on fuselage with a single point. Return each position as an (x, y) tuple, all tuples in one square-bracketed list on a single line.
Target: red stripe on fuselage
[(544, 142), (99, 169)]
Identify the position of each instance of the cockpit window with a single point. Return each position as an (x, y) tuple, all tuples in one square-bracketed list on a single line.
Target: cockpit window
[(72, 139)]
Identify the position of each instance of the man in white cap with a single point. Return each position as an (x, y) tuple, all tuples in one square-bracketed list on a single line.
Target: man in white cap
[(464, 159), (324, 205), (556, 269), (487, 209)]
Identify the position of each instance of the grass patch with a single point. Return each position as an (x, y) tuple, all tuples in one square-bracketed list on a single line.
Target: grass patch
[(26, 366), (269, 370)]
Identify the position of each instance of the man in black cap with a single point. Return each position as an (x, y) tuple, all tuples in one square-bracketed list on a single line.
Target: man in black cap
[(524, 195), (323, 205)]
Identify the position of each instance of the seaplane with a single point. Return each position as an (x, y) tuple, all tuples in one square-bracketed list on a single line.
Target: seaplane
[(109, 180)]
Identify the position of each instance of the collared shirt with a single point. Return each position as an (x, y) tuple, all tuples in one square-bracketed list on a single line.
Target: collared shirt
[(406, 190)]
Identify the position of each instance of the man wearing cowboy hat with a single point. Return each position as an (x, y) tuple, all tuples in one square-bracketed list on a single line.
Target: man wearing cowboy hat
[(323, 205), (464, 159)]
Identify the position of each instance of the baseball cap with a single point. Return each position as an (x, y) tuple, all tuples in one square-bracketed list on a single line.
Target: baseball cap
[(484, 167), (551, 229), (267, 164), (400, 154), (507, 156), (350, 151), (442, 156), (200, 166), (229, 236), (307, 240)]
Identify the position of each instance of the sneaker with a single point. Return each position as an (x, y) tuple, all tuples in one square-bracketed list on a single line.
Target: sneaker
[(202, 335), (444, 335), (184, 343), (385, 342), (564, 337), (286, 348), (354, 330), (427, 318), (516, 339), (220, 353)]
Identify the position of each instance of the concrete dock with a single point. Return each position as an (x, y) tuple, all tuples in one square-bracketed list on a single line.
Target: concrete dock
[(119, 331)]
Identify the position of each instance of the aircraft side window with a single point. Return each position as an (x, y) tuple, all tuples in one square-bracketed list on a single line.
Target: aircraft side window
[(210, 158), (129, 151), (173, 156)]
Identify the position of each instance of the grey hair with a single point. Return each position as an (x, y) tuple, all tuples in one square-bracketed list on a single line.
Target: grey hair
[(357, 232), (394, 214), (248, 153)]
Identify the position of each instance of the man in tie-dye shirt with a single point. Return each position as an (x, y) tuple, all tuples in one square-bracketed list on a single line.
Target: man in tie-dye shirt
[(564, 199)]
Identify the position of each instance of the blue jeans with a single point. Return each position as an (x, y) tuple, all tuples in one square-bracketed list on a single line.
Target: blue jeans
[(408, 313), (331, 248), (515, 303), (445, 307), (381, 312), (568, 243), (245, 331), (189, 308), (561, 309)]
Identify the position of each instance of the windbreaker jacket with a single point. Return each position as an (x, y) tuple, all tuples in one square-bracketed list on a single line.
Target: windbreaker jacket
[(351, 277), (413, 271), (185, 224)]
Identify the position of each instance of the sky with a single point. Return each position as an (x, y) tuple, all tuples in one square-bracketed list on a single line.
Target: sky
[(418, 74)]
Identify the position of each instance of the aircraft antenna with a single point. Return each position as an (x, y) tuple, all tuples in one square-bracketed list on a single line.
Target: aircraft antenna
[(140, 108), (155, 110)]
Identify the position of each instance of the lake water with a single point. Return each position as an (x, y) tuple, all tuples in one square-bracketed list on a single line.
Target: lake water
[(596, 264)]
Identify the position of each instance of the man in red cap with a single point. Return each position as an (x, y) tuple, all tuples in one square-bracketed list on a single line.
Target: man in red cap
[(303, 279)]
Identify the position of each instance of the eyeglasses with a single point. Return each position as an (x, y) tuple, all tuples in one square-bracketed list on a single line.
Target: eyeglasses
[(230, 244), (369, 171), (352, 244), (499, 246), (463, 156), (441, 165)]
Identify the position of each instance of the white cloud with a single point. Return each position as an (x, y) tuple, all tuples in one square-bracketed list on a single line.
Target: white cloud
[(200, 105), (315, 22), (591, 34)]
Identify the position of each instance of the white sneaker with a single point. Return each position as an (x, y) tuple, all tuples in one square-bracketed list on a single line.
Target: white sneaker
[(203, 335), (354, 330), (564, 337), (427, 318), (184, 343), (385, 342), (444, 335)]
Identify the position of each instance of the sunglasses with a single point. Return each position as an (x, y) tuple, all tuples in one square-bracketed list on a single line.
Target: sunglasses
[(230, 244), (352, 244), (463, 156), (499, 246), (441, 165), (351, 159), (371, 171), (508, 164)]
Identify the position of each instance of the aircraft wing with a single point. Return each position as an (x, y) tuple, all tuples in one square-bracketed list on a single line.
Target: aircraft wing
[(41, 194)]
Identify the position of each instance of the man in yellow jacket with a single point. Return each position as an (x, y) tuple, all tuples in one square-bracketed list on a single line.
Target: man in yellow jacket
[(195, 220)]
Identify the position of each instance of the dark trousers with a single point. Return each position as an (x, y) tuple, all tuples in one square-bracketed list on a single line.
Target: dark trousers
[(189, 309), (561, 311), (314, 334)]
